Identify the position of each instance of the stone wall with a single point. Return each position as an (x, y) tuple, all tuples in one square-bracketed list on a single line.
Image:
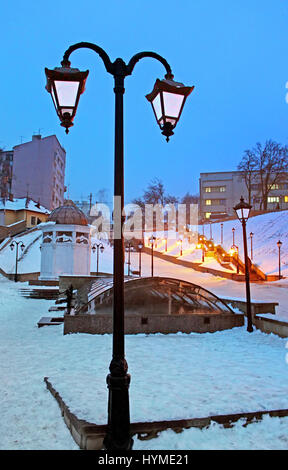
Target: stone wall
[(199, 323), (269, 325)]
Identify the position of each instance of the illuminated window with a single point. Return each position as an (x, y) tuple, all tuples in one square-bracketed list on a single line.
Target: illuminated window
[(208, 202), (207, 215), (273, 199), (275, 186), (215, 189), (285, 198)]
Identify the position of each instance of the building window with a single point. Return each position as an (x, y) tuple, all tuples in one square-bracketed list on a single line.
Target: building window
[(215, 189), (285, 198), (207, 215), (274, 186), (33, 220), (273, 199), (215, 202)]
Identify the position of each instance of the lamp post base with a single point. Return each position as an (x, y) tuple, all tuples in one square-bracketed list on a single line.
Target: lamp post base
[(118, 434)]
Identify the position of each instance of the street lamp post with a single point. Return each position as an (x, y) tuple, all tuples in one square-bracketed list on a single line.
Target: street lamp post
[(221, 225), (233, 236), (12, 246), (128, 250), (152, 240), (166, 244), (243, 210), (180, 242), (279, 244), (140, 246), (251, 246), (97, 247), (211, 237), (66, 84)]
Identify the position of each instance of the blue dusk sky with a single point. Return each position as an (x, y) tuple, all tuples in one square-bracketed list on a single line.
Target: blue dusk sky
[(233, 52)]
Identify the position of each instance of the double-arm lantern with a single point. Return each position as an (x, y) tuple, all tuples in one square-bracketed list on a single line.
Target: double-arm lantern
[(167, 100), (66, 84)]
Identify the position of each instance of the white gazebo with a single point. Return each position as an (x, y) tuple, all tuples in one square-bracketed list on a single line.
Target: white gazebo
[(66, 243)]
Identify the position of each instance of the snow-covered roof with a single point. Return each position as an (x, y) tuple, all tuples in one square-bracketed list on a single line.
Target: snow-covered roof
[(21, 204)]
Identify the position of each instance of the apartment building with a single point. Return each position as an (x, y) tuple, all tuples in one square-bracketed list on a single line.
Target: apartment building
[(221, 191), (6, 165), (38, 171)]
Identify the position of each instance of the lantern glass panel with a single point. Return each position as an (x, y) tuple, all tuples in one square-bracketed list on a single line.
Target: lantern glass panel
[(172, 104), (67, 92), (157, 106)]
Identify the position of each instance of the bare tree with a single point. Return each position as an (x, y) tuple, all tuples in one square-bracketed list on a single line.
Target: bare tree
[(273, 167), (267, 165), (249, 166)]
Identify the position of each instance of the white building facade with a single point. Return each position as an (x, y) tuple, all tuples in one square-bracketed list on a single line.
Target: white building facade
[(66, 244)]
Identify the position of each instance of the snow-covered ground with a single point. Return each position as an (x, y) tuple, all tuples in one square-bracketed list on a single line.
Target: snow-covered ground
[(173, 376)]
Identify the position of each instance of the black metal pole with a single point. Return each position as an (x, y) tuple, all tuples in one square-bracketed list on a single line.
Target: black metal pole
[(97, 259), (152, 260), (279, 260), (139, 262), (221, 234), (16, 265), (118, 434), (129, 259), (247, 280), (251, 236)]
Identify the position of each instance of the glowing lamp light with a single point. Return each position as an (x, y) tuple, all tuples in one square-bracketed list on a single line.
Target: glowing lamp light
[(66, 84), (167, 99), (242, 210)]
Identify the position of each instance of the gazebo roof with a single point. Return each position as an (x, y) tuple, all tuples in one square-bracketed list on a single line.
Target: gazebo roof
[(68, 214)]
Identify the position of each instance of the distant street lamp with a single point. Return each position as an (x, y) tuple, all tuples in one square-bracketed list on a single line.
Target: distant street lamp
[(233, 236), (152, 241), (201, 246), (234, 249), (140, 246), (128, 250), (97, 247), (279, 244), (66, 84), (243, 211), (221, 225), (251, 239), (180, 242), (12, 246)]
